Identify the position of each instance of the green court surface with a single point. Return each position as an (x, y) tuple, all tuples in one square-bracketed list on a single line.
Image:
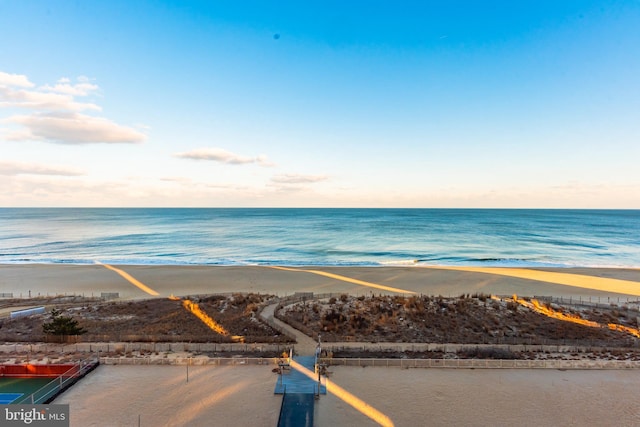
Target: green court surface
[(12, 389)]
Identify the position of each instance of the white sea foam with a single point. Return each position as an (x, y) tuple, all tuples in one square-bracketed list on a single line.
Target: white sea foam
[(406, 262)]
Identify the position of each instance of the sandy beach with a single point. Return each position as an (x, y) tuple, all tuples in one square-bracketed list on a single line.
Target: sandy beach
[(92, 280)]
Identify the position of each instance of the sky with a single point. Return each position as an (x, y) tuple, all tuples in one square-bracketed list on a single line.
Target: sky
[(426, 104)]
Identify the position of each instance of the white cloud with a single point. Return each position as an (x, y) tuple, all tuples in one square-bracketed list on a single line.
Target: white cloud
[(204, 188), (223, 156), (34, 190), (177, 180), (292, 183), (55, 115), (38, 100), (298, 179), (7, 79), (263, 160), (64, 86), (72, 128), (17, 168)]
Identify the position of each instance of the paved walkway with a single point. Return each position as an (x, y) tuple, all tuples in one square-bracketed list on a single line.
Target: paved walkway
[(295, 381), (305, 345), (297, 410), (298, 387)]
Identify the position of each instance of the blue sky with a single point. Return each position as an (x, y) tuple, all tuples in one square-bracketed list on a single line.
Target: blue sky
[(372, 104)]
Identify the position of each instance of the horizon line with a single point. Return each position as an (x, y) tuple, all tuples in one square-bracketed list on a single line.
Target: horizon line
[(324, 207)]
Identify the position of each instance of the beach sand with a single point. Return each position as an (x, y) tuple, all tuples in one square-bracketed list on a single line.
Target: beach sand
[(92, 280), (243, 396)]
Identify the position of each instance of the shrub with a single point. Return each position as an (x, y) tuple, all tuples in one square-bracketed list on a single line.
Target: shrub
[(62, 326)]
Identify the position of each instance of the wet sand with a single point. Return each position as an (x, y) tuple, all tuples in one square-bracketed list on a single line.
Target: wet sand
[(92, 280)]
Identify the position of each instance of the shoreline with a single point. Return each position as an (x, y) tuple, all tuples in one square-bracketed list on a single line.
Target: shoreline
[(400, 264), (166, 280)]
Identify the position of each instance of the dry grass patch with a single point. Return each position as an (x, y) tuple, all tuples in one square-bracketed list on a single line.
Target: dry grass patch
[(153, 320), (468, 319)]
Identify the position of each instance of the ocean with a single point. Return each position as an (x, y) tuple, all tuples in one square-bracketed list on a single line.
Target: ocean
[(321, 237)]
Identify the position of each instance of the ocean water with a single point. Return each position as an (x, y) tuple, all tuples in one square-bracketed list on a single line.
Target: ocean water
[(322, 237)]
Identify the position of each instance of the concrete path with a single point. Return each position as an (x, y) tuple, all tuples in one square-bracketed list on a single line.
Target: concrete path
[(305, 345), (297, 388)]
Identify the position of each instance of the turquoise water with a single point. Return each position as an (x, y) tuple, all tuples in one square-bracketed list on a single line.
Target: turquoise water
[(320, 237)]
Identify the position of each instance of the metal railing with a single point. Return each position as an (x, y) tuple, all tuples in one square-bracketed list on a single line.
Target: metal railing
[(388, 363), (65, 380), (124, 347), (484, 363), (191, 361)]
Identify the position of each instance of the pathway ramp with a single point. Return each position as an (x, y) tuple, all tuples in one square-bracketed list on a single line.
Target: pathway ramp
[(296, 410), (299, 390), (294, 381)]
